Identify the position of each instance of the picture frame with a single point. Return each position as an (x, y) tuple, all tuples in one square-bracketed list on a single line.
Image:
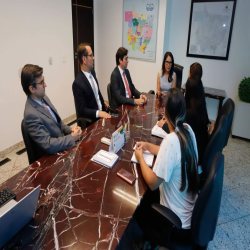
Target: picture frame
[(210, 28)]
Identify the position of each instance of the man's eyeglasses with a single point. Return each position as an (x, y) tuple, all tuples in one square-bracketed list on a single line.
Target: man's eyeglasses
[(91, 55), (38, 83), (168, 63)]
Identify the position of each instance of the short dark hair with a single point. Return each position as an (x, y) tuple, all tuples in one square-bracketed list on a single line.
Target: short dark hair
[(121, 52), (82, 51), (29, 75)]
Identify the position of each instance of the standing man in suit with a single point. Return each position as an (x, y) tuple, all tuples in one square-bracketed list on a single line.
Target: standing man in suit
[(122, 87), (88, 98), (41, 119)]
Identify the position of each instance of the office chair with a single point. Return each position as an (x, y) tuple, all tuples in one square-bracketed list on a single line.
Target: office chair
[(82, 122), (178, 71), (204, 217), (33, 150), (227, 110), (215, 145), (111, 103)]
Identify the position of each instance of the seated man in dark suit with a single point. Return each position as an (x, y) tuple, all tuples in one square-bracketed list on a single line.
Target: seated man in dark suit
[(122, 87), (88, 98), (41, 119)]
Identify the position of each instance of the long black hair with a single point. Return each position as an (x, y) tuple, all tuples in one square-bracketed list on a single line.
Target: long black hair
[(163, 69), (195, 95), (175, 111)]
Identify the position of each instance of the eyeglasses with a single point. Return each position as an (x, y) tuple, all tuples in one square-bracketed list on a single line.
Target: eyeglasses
[(38, 83), (168, 63), (91, 55)]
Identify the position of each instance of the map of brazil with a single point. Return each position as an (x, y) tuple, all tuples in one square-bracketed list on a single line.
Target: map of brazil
[(139, 29)]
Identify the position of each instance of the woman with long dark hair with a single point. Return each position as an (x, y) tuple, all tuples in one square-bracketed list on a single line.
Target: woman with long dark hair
[(175, 171), (166, 78)]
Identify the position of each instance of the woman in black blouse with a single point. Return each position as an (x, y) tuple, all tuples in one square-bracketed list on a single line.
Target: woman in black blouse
[(196, 115)]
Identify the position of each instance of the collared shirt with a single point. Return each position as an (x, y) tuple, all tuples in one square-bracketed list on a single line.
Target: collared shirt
[(48, 107), (99, 104)]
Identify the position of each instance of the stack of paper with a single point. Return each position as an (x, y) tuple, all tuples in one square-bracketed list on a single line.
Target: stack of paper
[(158, 131), (148, 157), (105, 158)]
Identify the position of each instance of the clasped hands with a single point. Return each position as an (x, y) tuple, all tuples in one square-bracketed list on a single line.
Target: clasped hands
[(76, 132), (143, 99), (140, 147)]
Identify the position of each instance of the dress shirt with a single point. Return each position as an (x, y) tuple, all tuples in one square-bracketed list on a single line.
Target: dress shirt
[(99, 104), (48, 107)]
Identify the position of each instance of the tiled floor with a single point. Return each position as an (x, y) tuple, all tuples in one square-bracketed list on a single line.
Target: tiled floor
[(233, 230)]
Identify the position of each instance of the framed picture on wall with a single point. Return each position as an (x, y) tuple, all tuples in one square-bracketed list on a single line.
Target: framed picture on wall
[(210, 28)]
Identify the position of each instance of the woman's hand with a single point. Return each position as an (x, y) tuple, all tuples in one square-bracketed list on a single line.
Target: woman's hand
[(142, 144), (138, 153), (161, 122)]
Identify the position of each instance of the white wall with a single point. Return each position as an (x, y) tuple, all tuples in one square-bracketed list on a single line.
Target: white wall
[(31, 32), (108, 16), (216, 73)]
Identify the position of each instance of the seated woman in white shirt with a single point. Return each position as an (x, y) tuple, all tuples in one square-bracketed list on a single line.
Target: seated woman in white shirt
[(175, 171), (166, 78)]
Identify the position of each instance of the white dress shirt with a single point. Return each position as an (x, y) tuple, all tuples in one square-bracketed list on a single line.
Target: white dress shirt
[(92, 81)]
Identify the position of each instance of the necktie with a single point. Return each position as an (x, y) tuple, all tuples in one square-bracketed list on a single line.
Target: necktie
[(126, 83), (95, 90), (44, 105)]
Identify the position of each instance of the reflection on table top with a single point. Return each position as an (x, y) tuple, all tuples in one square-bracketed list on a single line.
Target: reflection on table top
[(85, 205)]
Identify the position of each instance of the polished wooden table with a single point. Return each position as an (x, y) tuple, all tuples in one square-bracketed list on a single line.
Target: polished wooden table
[(84, 205)]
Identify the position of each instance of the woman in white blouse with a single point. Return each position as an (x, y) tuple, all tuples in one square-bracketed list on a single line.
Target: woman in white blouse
[(166, 78), (175, 171)]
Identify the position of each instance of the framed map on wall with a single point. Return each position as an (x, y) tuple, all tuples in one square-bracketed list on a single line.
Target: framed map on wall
[(210, 28), (140, 22)]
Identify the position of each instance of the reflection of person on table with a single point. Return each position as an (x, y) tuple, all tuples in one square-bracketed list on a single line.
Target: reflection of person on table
[(166, 78), (175, 171)]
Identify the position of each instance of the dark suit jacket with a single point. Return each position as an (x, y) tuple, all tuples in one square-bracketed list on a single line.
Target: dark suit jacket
[(50, 135), (85, 101), (118, 89)]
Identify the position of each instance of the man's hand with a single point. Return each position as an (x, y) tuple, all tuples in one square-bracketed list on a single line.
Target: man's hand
[(139, 101), (211, 128), (76, 133), (75, 128), (103, 114), (144, 98), (106, 105)]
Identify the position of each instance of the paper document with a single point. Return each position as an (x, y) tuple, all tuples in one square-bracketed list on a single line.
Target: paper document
[(148, 157), (158, 131), (105, 158)]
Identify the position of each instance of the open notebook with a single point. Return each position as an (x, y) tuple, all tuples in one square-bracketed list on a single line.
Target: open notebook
[(158, 131), (148, 157)]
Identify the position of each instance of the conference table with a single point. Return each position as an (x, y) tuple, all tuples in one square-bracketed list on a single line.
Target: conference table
[(84, 205)]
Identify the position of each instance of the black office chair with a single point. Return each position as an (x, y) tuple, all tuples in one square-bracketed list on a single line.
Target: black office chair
[(82, 122), (33, 150), (178, 69), (215, 145), (111, 103), (227, 110), (204, 217)]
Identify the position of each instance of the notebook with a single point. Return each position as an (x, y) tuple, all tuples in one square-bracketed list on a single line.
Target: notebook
[(105, 158), (158, 131), (148, 157)]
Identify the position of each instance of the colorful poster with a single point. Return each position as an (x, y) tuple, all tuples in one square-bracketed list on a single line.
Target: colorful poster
[(140, 20)]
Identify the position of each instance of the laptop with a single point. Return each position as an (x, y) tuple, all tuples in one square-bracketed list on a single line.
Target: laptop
[(15, 215)]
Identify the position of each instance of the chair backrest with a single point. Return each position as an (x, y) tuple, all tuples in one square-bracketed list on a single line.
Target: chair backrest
[(206, 209), (178, 70), (111, 103), (215, 145), (33, 150), (227, 110)]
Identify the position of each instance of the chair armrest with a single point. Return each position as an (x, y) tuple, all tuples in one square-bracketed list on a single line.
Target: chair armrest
[(83, 122), (167, 214)]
